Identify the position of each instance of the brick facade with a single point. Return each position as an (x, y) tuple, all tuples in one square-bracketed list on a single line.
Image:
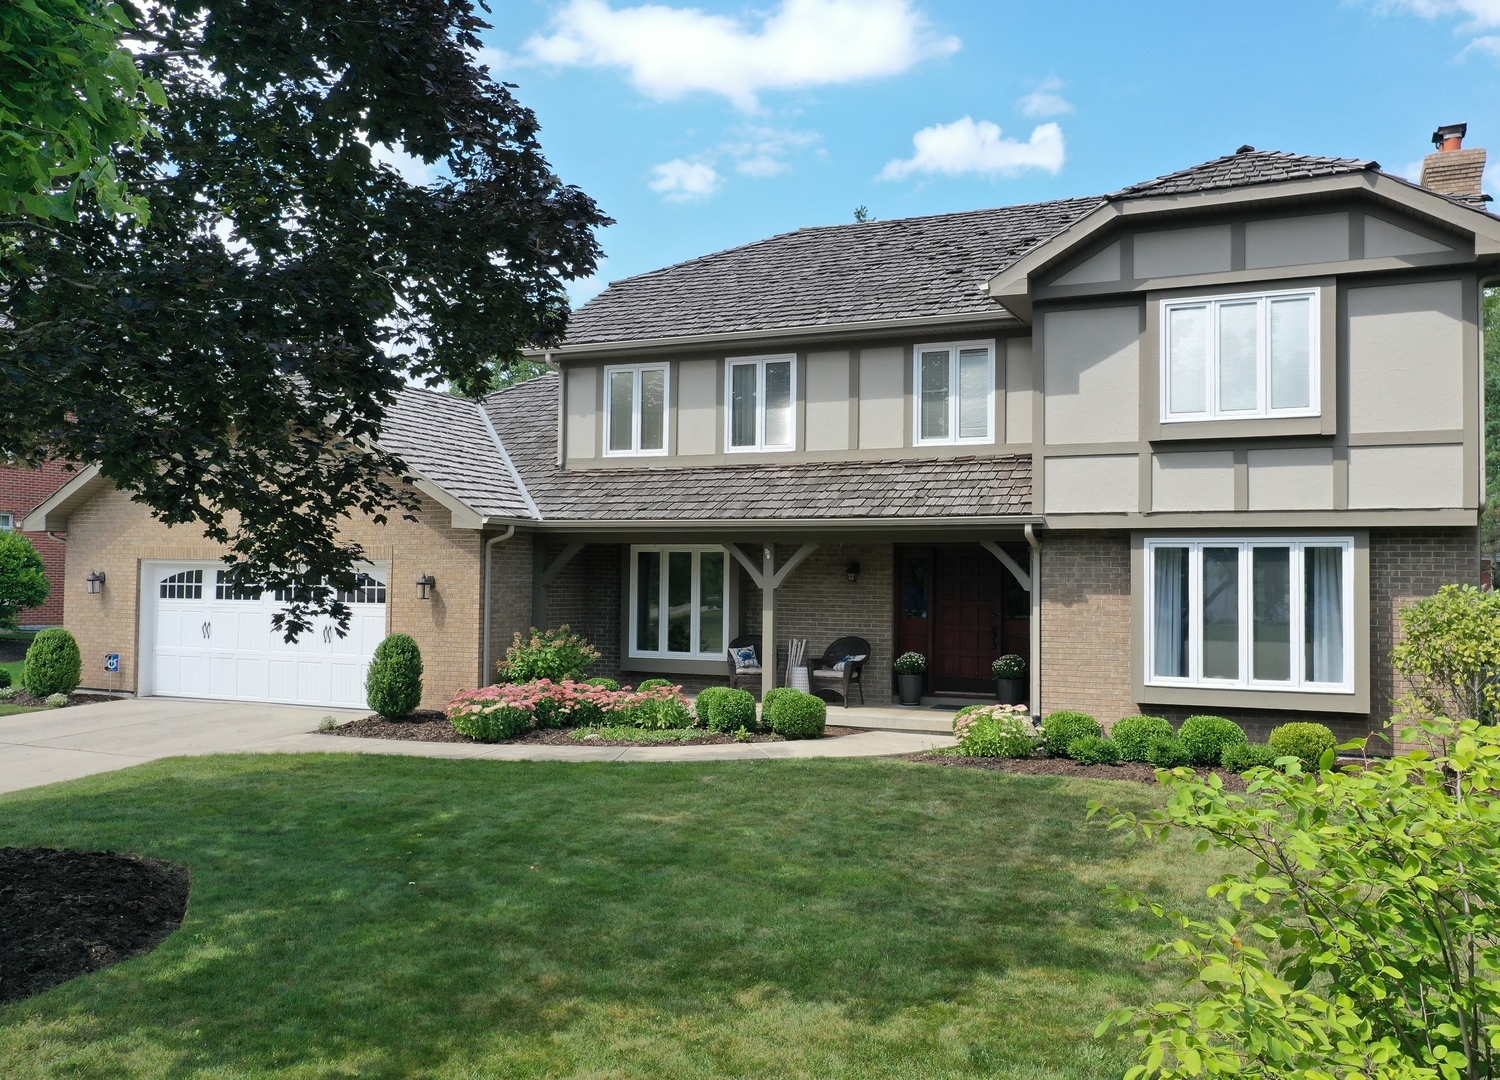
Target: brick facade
[(111, 533), (21, 491), (1086, 648)]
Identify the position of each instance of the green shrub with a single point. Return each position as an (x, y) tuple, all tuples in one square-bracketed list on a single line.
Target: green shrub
[(1449, 652), (1009, 666), (4, 678), (608, 684), (773, 697), (801, 717), (53, 665), (704, 704), (23, 577), (652, 684), (553, 654), (995, 731), (1241, 757), (658, 711), (730, 711), (1094, 750), (910, 663), (1206, 737), (393, 687), (1168, 753), (1061, 728), (1133, 734), (1306, 742)]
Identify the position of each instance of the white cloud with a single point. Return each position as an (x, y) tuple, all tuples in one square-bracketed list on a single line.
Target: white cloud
[(670, 51), (1480, 15), (413, 169), (1045, 100), (1489, 43), (967, 146), (762, 151), (497, 60), (685, 181)]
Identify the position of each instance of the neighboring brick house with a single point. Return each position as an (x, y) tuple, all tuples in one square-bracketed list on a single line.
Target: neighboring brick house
[(21, 491), (1189, 446)]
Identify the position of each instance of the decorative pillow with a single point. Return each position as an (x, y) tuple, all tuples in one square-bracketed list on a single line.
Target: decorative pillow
[(744, 657), (847, 660)]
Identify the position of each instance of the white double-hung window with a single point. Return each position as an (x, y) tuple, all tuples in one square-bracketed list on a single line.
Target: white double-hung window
[(678, 602), (759, 413), (1263, 614), (635, 410), (955, 393), (1240, 357)]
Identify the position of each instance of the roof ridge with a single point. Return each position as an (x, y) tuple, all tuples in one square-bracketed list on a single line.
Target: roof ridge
[(489, 426)]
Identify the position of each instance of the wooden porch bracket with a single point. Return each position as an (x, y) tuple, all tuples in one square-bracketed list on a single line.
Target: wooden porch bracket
[(543, 574), (1021, 576), (768, 578)]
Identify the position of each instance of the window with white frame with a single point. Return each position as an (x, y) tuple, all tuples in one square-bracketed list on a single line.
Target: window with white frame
[(7, 522), (955, 392), (678, 602), (1264, 614), (760, 392), (1240, 357), (635, 409)]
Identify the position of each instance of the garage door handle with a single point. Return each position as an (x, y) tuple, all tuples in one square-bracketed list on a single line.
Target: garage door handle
[(327, 633), (208, 630)]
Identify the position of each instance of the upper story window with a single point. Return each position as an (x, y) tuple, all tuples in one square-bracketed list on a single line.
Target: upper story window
[(635, 409), (760, 403), (1262, 614), (1240, 357), (955, 393)]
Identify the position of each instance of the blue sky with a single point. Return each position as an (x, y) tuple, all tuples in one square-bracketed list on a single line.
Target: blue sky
[(702, 125)]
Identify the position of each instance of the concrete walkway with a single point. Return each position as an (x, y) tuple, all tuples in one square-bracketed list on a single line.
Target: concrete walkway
[(62, 744)]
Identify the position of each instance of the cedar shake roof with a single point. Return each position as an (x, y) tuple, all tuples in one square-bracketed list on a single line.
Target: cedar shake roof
[(1243, 169), (525, 416)]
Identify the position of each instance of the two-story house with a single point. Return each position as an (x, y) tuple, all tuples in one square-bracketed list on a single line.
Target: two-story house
[(1187, 447)]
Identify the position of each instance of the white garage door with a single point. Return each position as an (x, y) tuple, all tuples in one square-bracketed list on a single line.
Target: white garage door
[(213, 642)]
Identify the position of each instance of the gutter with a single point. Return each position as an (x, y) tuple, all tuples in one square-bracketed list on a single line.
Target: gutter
[(487, 650), (1035, 630)]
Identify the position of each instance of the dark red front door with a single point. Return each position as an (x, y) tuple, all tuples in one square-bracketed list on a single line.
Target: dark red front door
[(967, 626)]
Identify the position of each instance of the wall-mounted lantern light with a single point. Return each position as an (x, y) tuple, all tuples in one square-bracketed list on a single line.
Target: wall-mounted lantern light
[(852, 570), (95, 581), (425, 585)]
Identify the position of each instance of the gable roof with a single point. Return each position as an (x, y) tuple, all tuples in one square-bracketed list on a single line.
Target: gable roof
[(1243, 168)]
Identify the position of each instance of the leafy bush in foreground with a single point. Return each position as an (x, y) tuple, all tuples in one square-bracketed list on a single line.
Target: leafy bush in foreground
[(1061, 728), (1206, 737), (53, 665), (1132, 734)]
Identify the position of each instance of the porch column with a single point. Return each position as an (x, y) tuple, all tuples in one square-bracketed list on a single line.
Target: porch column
[(767, 619)]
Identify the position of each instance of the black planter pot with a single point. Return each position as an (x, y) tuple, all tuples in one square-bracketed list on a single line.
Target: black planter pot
[(909, 688), (1011, 691)]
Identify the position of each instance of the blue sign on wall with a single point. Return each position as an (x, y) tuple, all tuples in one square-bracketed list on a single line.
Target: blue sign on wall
[(112, 662)]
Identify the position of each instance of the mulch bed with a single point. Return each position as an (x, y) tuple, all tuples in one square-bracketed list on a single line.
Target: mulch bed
[(434, 727), (67, 913), (21, 697), (1126, 770)]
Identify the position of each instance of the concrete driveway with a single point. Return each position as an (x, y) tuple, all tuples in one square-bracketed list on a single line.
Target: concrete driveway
[(49, 745)]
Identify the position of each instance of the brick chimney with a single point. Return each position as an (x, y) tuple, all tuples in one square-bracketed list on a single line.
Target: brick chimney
[(1452, 169)]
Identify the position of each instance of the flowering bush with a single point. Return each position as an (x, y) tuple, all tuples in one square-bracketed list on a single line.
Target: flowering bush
[(559, 655), (996, 731), (910, 663), (506, 710), (658, 707)]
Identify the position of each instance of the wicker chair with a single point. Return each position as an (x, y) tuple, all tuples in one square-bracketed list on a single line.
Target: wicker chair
[(749, 678), (820, 669)]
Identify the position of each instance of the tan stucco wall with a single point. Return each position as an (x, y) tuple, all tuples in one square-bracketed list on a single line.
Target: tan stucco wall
[(115, 535)]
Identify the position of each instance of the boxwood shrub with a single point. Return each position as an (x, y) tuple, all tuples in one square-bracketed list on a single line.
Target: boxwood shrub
[(1061, 728), (1168, 753), (704, 705), (4, 678), (1094, 750), (1206, 737), (1307, 742), (1133, 734), (800, 716), (1242, 757), (730, 711), (393, 687), (773, 697), (651, 684), (53, 665), (608, 684)]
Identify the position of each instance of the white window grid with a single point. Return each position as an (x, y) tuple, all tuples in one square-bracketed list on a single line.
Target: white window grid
[(7, 522), (953, 348), (635, 371), (759, 362), (1263, 365), (1298, 683), (697, 602), (185, 585)]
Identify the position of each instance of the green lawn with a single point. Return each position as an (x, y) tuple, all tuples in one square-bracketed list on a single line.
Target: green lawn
[(395, 917), (9, 710), (14, 668)]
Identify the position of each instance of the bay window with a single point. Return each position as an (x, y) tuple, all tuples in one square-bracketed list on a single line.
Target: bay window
[(635, 410), (678, 602), (1240, 357), (760, 393), (955, 392), (1264, 614)]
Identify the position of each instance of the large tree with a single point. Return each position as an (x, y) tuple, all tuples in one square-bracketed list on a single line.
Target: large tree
[(231, 363)]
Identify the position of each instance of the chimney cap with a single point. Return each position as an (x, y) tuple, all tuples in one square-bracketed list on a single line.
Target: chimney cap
[(1449, 131), (1246, 149)]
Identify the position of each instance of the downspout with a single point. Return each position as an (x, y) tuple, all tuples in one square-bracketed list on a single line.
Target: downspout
[(489, 595), (1035, 695), (63, 540)]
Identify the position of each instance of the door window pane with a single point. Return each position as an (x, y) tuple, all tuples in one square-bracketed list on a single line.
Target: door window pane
[(648, 601), (1187, 360), (1291, 353), (621, 410), (653, 409), (711, 602), (1170, 613), (1271, 621), (779, 403), (1324, 615), (914, 591), (742, 378), (1221, 613), (679, 601), (1238, 326), (934, 392), (973, 393)]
